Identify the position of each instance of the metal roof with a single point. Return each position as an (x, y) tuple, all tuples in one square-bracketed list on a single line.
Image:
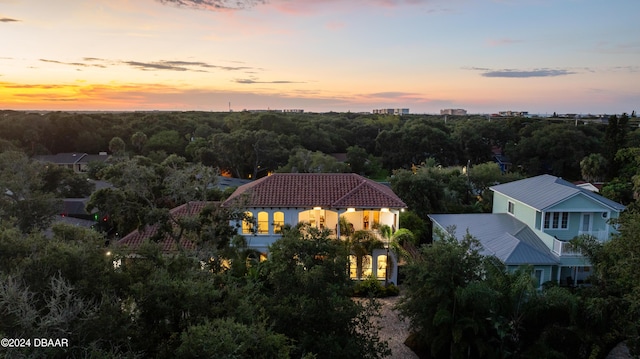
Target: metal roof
[(544, 191), (501, 235)]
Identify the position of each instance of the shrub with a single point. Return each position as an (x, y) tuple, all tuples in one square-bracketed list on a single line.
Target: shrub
[(371, 287)]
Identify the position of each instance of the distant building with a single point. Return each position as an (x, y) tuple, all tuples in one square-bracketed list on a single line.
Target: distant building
[(289, 110), (453, 111), (78, 162), (513, 113), (391, 111)]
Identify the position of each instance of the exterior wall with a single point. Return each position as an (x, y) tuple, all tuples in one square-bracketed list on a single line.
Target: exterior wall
[(293, 216), (577, 206), (572, 261), (521, 211), (549, 272), (259, 241)]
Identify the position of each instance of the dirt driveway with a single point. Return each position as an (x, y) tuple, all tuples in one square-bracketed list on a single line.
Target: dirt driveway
[(393, 330)]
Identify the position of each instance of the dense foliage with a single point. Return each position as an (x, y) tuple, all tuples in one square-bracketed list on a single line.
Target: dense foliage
[(249, 145), (463, 305), (153, 305), (217, 301)]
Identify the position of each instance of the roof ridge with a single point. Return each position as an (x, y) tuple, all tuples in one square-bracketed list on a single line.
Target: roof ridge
[(362, 182)]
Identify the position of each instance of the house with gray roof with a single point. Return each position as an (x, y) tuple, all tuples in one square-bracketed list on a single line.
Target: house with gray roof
[(532, 222), (78, 162), (320, 200)]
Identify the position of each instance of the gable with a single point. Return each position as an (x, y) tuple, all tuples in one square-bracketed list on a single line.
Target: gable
[(545, 191), (579, 202)]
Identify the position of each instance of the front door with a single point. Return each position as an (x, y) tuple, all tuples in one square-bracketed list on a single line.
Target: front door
[(586, 223)]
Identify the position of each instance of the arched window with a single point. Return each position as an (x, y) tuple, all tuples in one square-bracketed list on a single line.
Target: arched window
[(367, 261), (381, 270), (353, 267), (278, 222), (247, 223), (263, 223)]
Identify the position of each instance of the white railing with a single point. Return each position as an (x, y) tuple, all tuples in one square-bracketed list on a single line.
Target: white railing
[(564, 248)]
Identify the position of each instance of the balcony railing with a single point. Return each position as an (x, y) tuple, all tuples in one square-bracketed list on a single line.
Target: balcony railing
[(564, 248)]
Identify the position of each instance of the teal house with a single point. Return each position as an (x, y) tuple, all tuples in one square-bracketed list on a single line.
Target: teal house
[(533, 221)]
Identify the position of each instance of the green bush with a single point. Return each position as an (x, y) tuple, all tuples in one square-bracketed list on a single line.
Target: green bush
[(371, 287)]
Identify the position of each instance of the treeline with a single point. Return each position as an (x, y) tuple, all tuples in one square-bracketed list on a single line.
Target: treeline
[(250, 145)]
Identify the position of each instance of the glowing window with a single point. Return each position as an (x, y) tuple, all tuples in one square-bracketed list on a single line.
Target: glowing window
[(381, 270), (367, 261), (353, 267), (263, 223), (278, 222), (247, 223)]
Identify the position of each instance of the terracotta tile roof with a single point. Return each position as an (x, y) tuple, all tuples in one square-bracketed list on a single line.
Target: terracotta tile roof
[(327, 190), (136, 238)]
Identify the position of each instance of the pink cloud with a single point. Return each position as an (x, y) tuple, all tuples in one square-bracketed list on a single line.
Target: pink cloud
[(307, 7)]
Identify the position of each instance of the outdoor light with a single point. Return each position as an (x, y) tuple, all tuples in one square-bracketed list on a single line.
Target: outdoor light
[(317, 208), (351, 210), (384, 210)]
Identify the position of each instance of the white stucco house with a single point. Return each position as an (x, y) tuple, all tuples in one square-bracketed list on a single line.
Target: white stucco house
[(532, 222), (319, 199)]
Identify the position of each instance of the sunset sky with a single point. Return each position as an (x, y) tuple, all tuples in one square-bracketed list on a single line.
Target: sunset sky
[(485, 56)]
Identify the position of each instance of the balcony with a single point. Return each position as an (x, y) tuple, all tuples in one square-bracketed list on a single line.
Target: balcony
[(564, 248)]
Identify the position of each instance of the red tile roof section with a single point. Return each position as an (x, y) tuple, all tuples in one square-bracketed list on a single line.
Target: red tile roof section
[(136, 238), (328, 190)]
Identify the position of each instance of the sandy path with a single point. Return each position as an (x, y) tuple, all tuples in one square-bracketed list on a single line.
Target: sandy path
[(393, 330)]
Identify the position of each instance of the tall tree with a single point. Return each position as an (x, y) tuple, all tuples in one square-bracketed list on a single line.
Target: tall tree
[(594, 167), (305, 297), (138, 140), (615, 137), (117, 146), (22, 192)]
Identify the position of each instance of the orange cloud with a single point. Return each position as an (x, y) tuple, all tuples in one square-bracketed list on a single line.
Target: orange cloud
[(79, 96)]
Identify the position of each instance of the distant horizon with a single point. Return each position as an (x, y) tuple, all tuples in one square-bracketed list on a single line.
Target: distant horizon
[(278, 110), (540, 56)]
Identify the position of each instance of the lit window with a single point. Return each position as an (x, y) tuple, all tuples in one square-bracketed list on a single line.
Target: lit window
[(278, 222), (353, 267), (366, 266), (381, 272), (263, 223), (247, 223)]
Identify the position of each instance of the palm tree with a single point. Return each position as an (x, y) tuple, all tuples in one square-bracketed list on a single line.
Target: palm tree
[(394, 241), (361, 243)]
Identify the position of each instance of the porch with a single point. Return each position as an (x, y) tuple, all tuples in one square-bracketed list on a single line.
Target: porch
[(574, 276)]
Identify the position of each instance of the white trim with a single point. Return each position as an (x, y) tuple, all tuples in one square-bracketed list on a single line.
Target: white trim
[(581, 228), (560, 218)]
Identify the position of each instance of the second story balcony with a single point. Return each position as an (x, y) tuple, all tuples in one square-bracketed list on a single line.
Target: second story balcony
[(565, 248)]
